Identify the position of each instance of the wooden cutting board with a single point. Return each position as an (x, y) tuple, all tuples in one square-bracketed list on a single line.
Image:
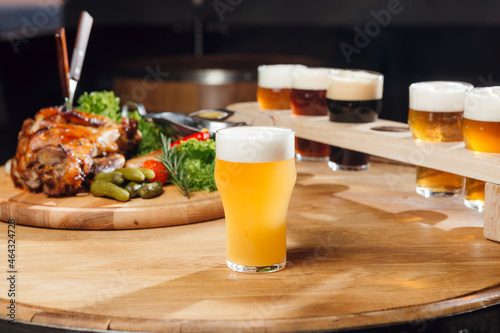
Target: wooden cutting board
[(86, 211)]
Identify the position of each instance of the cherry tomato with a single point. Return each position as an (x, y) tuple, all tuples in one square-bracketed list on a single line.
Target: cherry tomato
[(161, 173)]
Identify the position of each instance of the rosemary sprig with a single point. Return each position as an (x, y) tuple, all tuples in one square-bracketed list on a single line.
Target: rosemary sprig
[(172, 160)]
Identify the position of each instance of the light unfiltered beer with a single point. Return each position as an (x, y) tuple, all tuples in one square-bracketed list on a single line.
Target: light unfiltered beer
[(255, 175), (481, 130), (436, 110), (482, 135), (474, 194), (353, 96), (308, 98), (432, 182), (431, 126), (435, 115), (274, 85), (481, 125)]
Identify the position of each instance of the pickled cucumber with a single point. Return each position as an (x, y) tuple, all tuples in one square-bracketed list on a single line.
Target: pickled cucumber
[(133, 189), (101, 188), (150, 190), (148, 173), (112, 177), (133, 174)]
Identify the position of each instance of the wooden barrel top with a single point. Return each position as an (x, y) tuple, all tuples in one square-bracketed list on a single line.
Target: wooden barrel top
[(363, 249)]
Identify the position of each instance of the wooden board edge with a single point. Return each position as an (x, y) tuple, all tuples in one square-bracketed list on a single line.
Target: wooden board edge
[(421, 312), (209, 208)]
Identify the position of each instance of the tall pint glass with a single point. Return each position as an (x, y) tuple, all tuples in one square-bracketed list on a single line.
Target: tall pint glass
[(255, 175), (353, 96), (481, 129), (308, 98), (274, 85), (435, 115)]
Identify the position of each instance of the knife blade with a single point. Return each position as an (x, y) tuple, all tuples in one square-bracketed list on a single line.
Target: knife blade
[(81, 42)]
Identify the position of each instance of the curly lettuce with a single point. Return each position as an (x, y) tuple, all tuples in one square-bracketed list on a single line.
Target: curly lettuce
[(106, 103), (199, 164)]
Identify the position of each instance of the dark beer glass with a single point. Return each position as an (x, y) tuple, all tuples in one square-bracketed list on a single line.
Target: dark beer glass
[(308, 98), (353, 96)]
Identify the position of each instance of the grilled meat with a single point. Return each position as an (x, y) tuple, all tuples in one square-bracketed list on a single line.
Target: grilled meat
[(58, 151)]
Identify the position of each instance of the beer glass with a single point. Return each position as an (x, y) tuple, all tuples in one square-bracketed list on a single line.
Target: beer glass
[(308, 97), (353, 96), (481, 130), (435, 115), (274, 85), (255, 175)]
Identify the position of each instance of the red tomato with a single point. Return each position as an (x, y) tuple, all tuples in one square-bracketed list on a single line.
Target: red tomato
[(161, 173)]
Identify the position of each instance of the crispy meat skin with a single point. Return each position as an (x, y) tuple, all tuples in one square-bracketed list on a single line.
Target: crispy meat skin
[(58, 151)]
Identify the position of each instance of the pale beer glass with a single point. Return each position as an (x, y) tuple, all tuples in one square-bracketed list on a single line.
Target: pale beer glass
[(481, 130), (274, 86), (308, 98), (353, 96), (255, 175), (435, 115)]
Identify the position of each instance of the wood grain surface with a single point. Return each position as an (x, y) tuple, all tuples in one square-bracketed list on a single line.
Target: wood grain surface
[(363, 249), (86, 211), (384, 138)]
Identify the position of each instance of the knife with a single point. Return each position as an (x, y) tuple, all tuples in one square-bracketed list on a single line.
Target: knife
[(82, 39), (62, 60)]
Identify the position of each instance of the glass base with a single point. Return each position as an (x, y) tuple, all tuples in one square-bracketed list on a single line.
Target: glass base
[(250, 269), (300, 157), (429, 193), (334, 166), (475, 204)]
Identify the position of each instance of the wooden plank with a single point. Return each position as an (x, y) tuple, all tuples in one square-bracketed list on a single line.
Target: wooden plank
[(363, 249), (400, 146), (86, 211), (68, 319), (492, 212)]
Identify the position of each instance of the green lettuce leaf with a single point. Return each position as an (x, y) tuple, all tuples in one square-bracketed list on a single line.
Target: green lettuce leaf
[(106, 103), (199, 164)]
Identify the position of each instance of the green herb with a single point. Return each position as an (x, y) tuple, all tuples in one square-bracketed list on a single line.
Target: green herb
[(172, 159), (191, 164), (105, 103), (199, 163), (151, 132)]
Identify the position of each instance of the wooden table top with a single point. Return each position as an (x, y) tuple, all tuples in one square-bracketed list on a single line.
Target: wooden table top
[(363, 249)]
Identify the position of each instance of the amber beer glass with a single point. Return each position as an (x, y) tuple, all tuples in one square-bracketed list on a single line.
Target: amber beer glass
[(481, 129), (435, 115), (353, 96), (308, 98), (274, 85), (255, 175)]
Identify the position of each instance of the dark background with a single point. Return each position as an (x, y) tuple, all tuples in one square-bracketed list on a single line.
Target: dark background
[(421, 40)]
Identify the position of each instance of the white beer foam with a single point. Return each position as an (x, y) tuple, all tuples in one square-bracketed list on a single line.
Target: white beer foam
[(310, 78), (354, 85), (438, 96), (255, 144), (276, 76), (483, 104)]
